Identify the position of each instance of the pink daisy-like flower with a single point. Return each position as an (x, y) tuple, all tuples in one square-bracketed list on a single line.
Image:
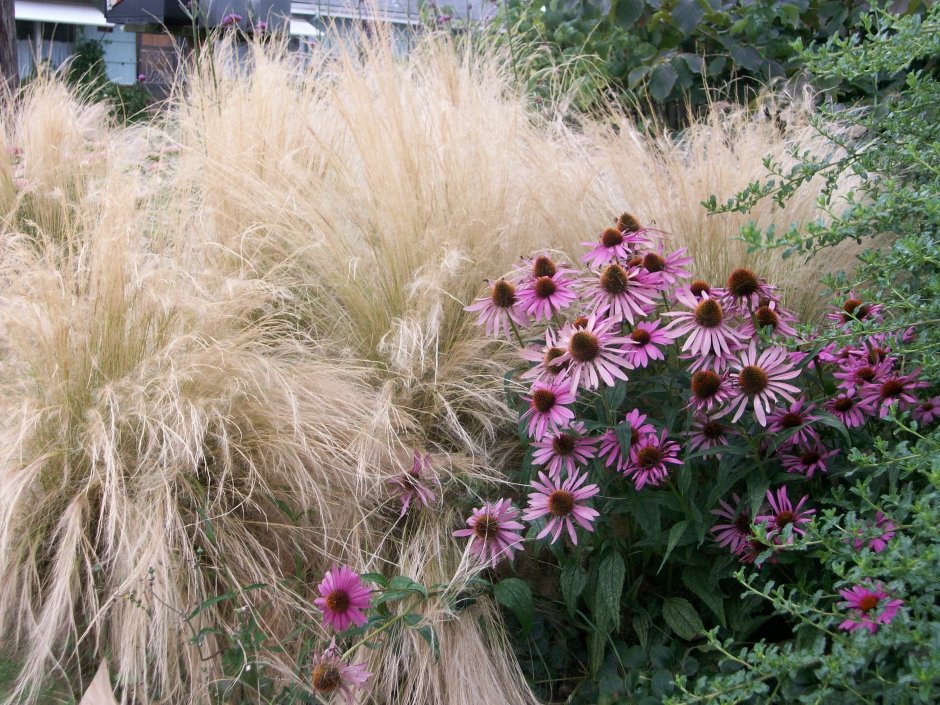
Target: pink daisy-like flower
[(758, 381), (562, 502), (416, 484), (594, 354), (622, 293), (564, 450), (542, 265), (784, 514), (645, 342), (500, 309), (669, 268), (927, 411), (769, 316), (744, 291), (493, 528), (548, 410), (794, 419), (707, 328), (698, 289), (329, 674), (893, 389), (736, 530), (809, 459), (877, 535), (709, 389), (854, 309), (869, 607), (616, 243), (543, 296), (708, 433), (846, 409), (544, 357), (855, 375), (342, 599), (875, 349), (649, 458), (610, 451)]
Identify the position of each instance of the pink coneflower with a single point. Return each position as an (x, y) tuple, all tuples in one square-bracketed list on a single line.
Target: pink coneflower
[(644, 343), (893, 389), (855, 374), (594, 354), (794, 419), (329, 674), (874, 350), (416, 484), (709, 389), (869, 607), (541, 297), (808, 459), (230, 19), (854, 309), (708, 433), (668, 269), (744, 291), (649, 458), (500, 309), (342, 599), (542, 265), (736, 530), (927, 411), (784, 514), (493, 528), (622, 293), (610, 451), (707, 328), (758, 381), (564, 450), (548, 411), (562, 502), (691, 296), (878, 534), (846, 409), (544, 357), (771, 317), (614, 244)]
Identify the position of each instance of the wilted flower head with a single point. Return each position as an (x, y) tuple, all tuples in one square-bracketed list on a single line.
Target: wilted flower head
[(493, 528), (329, 674), (416, 484), (231, 19)]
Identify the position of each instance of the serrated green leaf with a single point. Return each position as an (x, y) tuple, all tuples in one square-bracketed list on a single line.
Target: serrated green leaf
[(662, 81), (697, 581), (597, 645), (682, 618), (516, 595), (607, 591), (628, 11), (687, 14), (641, 626), (573, 581)]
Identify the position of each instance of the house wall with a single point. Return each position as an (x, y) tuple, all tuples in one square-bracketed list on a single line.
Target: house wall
[(120, 52)]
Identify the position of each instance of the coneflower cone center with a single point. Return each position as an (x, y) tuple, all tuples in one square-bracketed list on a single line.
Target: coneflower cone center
[(766, 316), (584, 346), (615, 280), (753, 380), (791, 420), (560, 503), (486, 527), (743, 282), (503, 294), (876, 355), (545, 287), (338, 600), (784, 518), (611, 237), (544, 267), (713, 430), (892, 388), (865, 374), (653, 262), (868, 603), (640, 336), (709, 314), (648, 457), (563, 444), (699, 287), (850, 305), (843, 404), (809, 457), (742, 522), (705, 384), (326, 677), (629, 223), (580, 322), (551, 355), (543, 400)]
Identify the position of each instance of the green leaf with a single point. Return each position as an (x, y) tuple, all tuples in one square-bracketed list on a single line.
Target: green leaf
[(717, 65), (206, 604), (573, 580), (697, 581), (391, 596), (675, 533), (400, 582), (641, 625), (695, 62), (607, 591), (662, 80), (687, 14), (682, 618), (637, 75), (746, 56), (628, 11), (623, 431), (516, 595), (429, 635), (647, 516), (662, 682), (597, 645), (376, 578)]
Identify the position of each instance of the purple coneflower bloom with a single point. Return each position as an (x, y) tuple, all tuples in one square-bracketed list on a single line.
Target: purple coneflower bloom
[(794, 418), (622, 293), (416, 484), (855, 374), (736, 530), (649, 458), (927, 411), (869, 607), (769, 315), (668, 269), (562, 502), (758, 381), (594, 354), (809, 459), (610, 451), (784, 514), (691, 296), (564, 450), (548, 411), (329, 674), (709, 389), (500, 309), (540, 297), (493, 528), (854, 309), (614, 245), (542, 265), (879, 534), (707, 328), (545, 357), (847, 410), (231, 19), (342, 599), (708, 433), (893, 389), (644, 341), (745, 291)]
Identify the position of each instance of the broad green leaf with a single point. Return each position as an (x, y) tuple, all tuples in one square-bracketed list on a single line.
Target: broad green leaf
[(401, 582), (675, 533), (597, 645), (628, 11), (697, 581), (637, 75), (682, 618), (516, 595), (687, 14), (746, 56), (662, 80), (607, 591), (641, 625), (573, 580), (376, 578), (623, 431)]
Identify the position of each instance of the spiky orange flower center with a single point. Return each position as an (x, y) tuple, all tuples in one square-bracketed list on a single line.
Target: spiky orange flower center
[(709, 314), (843, 404), (653, 262), (698, 287), (705, 384), (611, 237), (766, 316), (614, 280), (338, 600), (503, 294), (551, 355), (486, 527), (628, 223), (713, 430), (545, 287), (891, 389), (753, 379), (543, 267), (326, 678), (850, 305), (868, 603), (784, 518), (743, 282), (543, 400), (648, 457), (791, 420), (580, 322), (635, 261), (563, 444), (640, 336), (865, 374), (584, 346), (560, 503)]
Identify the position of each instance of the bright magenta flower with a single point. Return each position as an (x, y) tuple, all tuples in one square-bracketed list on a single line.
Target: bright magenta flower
[(644, 343), (669, 268), (544, 357), (543, 296), (759, 379), (808, 459), (878, 534), (416, 484), (610, 445), (614, 245), (847, 409), (794, 419), (709, 389), (621, 292), (735, 531), (854, 309), (784, 514), (892, 390), (493, 528), (342, 599), (564, 450), (330, 675), (548, 411), (771, 317), (927, 411), (500, 309), (594, 354), (857, 374), (650, 458), (707, 327), (869, 607), (562, 502)]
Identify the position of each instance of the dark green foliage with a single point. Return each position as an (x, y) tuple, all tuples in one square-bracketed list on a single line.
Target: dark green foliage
[(86, 72)]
